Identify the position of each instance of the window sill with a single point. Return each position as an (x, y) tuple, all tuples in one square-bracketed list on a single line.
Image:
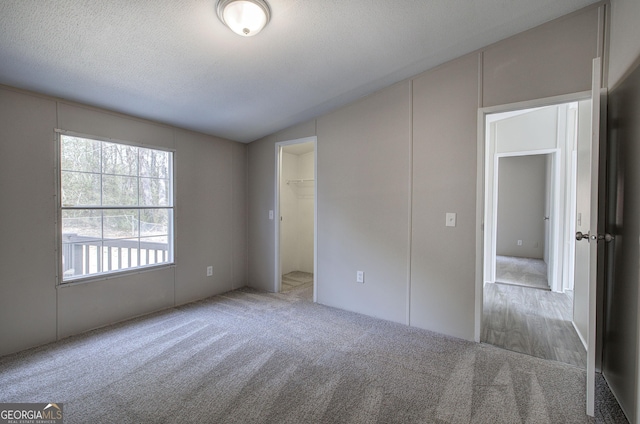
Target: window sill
[(114, 275)]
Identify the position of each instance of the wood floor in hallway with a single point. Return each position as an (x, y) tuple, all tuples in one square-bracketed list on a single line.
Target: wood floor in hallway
[(531, 321)]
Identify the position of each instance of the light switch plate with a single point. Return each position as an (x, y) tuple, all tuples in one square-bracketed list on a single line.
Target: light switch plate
[(579, 219), (271, 215), (451, 219)]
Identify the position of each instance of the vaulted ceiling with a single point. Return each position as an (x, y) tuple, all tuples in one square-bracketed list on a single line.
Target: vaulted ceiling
[(173, 61)]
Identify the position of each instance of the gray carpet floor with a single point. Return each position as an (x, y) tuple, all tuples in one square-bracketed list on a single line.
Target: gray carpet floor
[(253, 357), (526, 272)]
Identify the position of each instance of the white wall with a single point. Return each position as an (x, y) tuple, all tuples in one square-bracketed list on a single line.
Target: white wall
[(211, 178), (535, 130), (306, 208), (569, 196), (289, 224), (522, 198), (549, 191), (392, 164), (297, 211), (583, 212)]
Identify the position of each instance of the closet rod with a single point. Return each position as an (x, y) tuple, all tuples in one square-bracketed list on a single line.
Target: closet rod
[(299, 181)]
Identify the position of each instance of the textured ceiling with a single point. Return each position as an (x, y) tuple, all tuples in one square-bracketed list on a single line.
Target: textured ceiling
[(173, 61)]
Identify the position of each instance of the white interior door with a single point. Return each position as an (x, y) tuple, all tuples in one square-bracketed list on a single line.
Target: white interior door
[(586, 265)]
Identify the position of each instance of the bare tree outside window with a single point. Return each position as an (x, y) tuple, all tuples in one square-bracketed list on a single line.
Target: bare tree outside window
[(116, 204)]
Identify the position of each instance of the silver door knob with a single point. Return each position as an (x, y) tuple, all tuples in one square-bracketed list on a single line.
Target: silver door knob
[(580, 236), (606, 237)]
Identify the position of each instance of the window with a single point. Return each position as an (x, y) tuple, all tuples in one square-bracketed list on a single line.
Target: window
[(116, 207)]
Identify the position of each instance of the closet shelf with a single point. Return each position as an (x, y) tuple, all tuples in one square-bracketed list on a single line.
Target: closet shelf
[(300, 181)]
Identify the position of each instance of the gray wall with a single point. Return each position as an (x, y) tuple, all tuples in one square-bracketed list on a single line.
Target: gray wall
[(542, 62), (392, 164), (27, 221), (261, 189), (363, 204), (444, 158), (522, 198), (624, 48), (211, 179)]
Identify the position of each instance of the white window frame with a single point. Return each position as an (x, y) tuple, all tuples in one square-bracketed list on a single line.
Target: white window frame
[(61, 281)]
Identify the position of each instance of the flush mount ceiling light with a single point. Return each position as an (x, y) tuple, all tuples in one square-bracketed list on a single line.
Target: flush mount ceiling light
[(244, 17)]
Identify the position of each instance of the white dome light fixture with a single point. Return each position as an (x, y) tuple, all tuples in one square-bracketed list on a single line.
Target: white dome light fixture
[(244, 17)]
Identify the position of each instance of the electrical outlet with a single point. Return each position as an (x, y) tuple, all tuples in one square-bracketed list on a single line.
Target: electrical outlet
[(519, 242), (360, 277), (209, 271)]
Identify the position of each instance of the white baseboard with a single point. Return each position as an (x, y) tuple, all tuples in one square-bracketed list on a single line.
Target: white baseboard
[(584, 342)]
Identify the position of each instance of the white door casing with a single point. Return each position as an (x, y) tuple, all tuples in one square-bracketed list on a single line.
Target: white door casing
[(277, 212), (484, 214), (552, 141), (485, 264)]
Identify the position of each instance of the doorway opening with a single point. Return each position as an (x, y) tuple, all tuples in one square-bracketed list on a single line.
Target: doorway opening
[(296, 218), (524, 197), (530, 303)]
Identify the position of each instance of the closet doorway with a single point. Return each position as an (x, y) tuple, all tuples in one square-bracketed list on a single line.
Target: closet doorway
[(296, 218)]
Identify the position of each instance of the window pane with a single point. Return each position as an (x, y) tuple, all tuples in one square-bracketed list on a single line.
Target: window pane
[(119, 159), (154, 163), (154, 250), (154, 222), (80, 189), (121, 253), (96, 175), (80, 225), (120, 223), (81, 258), (79, 154), (119, 191), (154, 192), (81, 242)]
